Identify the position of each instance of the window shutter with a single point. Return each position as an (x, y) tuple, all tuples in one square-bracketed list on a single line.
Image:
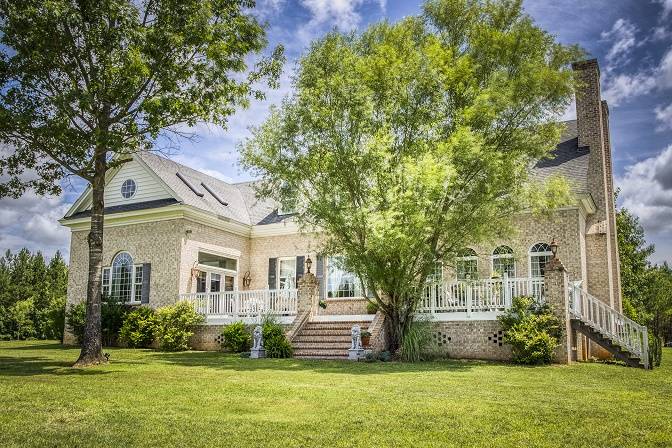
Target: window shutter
[(319, 273), (272, 273), (146, 273), (299, 268)]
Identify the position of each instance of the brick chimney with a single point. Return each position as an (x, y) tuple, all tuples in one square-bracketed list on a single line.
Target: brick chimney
[(591, 129)]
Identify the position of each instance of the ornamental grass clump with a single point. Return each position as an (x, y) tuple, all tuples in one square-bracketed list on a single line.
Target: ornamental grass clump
[(532, 330), (275, 341), (175, 325)]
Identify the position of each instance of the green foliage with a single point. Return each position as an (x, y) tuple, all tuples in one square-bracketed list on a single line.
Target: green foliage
[(237, 337), (655, 350), (275, 341), (175, 325), (22, 325), (139, 327), (371, 307), (76, 320), (417, 341), (391, 135), (111, 76), (112, 315), (532, 330), (32, 292)]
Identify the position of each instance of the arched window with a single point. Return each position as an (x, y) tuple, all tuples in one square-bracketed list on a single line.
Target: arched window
[(503, 261), (466, 264), (540, 254), (123, 280)]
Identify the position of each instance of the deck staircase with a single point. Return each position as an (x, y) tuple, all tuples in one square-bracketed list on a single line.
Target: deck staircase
[(325, 340), (625, 339)]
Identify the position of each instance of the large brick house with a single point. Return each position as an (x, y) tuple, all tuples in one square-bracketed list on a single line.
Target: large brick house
[(173, 233)]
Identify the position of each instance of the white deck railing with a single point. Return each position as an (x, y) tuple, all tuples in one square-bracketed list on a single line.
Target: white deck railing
[(610, 323), (478, 296), (233, 305)]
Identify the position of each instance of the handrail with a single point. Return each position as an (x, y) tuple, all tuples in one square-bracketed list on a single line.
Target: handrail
[(478, 295), (610, 323), (241, 304)]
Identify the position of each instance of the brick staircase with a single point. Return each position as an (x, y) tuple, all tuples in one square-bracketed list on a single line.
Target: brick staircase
[(325, 340)]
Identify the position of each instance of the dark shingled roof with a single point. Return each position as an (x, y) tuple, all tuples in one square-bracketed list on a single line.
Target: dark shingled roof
[(128, 207), (567, 160)]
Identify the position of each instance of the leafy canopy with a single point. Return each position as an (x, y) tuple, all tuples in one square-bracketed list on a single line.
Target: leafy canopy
[(113, 74), (406, 142)]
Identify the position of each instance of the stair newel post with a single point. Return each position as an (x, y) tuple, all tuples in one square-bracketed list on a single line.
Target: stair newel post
[(556, 284)]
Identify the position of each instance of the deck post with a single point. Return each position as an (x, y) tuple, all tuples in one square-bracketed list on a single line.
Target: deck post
[(556, 283)]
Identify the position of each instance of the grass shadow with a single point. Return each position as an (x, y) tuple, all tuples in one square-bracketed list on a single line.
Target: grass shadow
[(224, 361), (31, 366)]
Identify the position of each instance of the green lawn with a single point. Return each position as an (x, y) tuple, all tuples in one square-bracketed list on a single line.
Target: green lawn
[(147, 398)]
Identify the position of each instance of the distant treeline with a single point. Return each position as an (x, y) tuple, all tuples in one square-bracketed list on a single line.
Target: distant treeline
[(32, 295)]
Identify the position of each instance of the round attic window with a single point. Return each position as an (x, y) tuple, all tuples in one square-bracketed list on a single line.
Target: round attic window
[(128, 189)]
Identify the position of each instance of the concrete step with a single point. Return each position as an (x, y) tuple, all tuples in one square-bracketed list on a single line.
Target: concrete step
[(322, 345), (346, 326), (302, 337), (321, 352), (328, 333), (323, 357)]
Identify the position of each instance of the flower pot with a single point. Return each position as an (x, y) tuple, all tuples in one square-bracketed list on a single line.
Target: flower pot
[(366, 340)]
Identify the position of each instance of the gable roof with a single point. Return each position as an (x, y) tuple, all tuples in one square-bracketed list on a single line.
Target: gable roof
[(238, 201)]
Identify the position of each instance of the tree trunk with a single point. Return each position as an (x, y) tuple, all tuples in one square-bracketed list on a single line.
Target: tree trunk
[(397, 323), (92, 350)]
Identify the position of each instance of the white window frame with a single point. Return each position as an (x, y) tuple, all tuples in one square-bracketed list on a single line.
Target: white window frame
[(494, 257), (220, 271), (357, 284), (531, 254), (293, 279), (467, 258), (135, 189), (106, 287)]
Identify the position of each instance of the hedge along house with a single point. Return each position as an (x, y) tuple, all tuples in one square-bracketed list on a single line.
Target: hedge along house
[(173, 233)]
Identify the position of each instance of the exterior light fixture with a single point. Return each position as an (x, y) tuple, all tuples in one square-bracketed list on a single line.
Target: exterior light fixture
[(554, 248), (309, 263)]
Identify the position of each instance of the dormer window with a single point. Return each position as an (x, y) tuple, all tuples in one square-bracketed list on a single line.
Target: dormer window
[(128, 189)]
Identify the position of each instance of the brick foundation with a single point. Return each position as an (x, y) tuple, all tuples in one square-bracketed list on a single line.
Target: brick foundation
[(480, 339)]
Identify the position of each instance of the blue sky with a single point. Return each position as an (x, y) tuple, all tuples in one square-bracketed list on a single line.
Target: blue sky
[(631, 38)]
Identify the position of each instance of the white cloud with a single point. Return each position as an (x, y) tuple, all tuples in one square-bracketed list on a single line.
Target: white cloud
[(667, 7), (32, 221), (664, 116), (646, 190), (341, 14), (622, 34), (623, 87), (660, 33)]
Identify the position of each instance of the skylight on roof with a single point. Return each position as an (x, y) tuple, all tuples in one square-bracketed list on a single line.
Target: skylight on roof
[(214, 195), (191, 186)]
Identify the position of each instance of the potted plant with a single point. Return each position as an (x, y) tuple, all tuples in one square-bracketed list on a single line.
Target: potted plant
[(371, 307), (322, 304), (366, 338)]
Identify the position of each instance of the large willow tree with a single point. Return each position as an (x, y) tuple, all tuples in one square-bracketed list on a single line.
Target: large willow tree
[(407, 142), (84, 84)]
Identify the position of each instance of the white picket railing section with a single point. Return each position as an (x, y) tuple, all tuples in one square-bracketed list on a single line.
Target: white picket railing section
[(244, 304), (610, 323), (478, 295)]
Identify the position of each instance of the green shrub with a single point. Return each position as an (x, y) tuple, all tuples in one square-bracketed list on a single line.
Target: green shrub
[(417, 341), (655, 350), (53, 318), (275, 341), (21, 321), (139, 327), (236, 338), (175, 325), (76, 319), (112, 315), (532, 330)]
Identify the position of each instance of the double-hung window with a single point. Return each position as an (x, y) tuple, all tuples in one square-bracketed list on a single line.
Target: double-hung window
[(540, 255), (287, 273), (503, 261), (466, 265)]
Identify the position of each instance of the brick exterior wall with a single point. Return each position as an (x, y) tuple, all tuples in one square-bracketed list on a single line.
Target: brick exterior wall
[(343, 306), (479, 339), (261, 249)]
